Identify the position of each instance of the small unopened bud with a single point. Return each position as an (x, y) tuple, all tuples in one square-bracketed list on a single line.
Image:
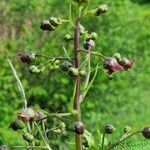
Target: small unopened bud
[(103, 8), (92, 36), (54, 21), (109, 129), (62, 126), (34, 69), (16, 125), (28, 137), (82, 73), (127, 129), (65, 66), (73, 72), (89, 44), (78, 128), (117, 56), (146, 132), (4, 147), (81, 29), (68, 38), (46, 25)]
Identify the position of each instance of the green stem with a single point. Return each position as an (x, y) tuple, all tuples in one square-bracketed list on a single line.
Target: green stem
[(122, 140), (103, 140), (93, 53), (40, 132)]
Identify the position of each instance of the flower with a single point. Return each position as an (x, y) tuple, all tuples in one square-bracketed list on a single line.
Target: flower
[(26, 57), (146, 132), (27, 115), (78, 128), (111, 65), (109, 129), (126, 63)]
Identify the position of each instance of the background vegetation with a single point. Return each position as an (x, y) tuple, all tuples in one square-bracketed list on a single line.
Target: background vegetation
[(122, 101)]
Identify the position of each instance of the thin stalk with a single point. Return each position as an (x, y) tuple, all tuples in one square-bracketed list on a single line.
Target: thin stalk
[(28, 147), (122, 140), (78, 138), (44, 140), (93, 53), (103, 140)]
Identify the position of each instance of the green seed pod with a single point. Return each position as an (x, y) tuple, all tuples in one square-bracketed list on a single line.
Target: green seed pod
[(109, 129), (73, 72), (103, 8), (127, 129), (146, 132), (55, 21), (65, 66), (28, 137), (57, 62), (34, 69), (93, 36), (117, 56), (18, 124), (62, 126), (68, 38), (82, 73)]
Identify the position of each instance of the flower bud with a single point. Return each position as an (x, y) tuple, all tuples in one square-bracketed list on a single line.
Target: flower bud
[(92, 36), (89, 44), (68, 38), (57, 62), (28, 137), (78, 128), (55, 21), (109, 129), (117, 56), (146, 132), (16, 125), (81, 29), (103, 8), (111, 65), (82, 73), (4, 147), (46, 25), (73, 72), (126, 63), (27, 114), (62, 126), (127, 129), (34, 69), (26, 57), (65, 66)]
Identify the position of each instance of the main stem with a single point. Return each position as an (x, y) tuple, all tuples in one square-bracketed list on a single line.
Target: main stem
[(78, 138)]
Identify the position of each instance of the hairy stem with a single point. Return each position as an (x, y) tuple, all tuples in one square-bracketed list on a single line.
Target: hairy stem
[(122, 140), (78, 138), (103, 140)]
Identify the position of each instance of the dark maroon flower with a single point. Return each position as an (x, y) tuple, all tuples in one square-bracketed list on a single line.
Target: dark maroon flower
[(146, 132), (26, 57), (78, 128), (112, 65), (126, 63)]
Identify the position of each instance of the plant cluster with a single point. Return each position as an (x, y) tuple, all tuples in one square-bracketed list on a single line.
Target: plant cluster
[(33, 123)]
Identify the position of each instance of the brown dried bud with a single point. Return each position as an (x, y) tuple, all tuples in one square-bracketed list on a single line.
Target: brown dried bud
[(126, 63), (111, 65), (26, 57), (16, 125), (46, 25), (89, 44), (78, 128), (27, 115)]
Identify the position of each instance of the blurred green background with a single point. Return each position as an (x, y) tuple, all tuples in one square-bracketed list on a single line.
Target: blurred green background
[(122, 101)]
